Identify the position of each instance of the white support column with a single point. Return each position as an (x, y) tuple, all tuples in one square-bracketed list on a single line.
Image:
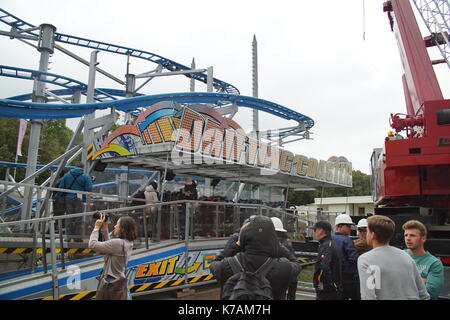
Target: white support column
[(192, 83), (88, 136), (45, 47), (255, 85), (209, 80)]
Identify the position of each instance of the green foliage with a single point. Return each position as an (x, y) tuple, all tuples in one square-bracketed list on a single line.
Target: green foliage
[(361, 187), (54, 138)]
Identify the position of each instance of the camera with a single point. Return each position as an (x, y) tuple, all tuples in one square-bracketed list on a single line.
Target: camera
[(98, 215)]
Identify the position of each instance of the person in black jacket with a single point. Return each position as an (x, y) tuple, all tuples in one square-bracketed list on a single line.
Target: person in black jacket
[(258, 242), (189, 192), (284, 241), (327, 277), (285, 249)]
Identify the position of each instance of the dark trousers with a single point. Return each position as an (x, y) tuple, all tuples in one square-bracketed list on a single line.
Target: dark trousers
[(59, 207), (182, 222), (351, 288), (73, 225), (328, 295), (292, 290)]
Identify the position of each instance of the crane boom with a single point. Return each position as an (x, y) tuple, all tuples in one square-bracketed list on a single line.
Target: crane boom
[(420, 80), (436, 16)]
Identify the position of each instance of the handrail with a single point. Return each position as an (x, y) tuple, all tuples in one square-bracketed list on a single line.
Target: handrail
[(168, 203), (221, 231)]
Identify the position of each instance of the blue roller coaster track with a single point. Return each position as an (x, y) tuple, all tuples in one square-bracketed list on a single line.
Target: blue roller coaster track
[(168, 64), (19, 107), (68, 83)]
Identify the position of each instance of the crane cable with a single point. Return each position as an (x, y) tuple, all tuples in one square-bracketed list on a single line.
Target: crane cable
[(364, 20)]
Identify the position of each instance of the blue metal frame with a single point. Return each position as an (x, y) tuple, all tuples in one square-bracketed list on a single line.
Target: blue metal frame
[(171, 65), (22, 109)]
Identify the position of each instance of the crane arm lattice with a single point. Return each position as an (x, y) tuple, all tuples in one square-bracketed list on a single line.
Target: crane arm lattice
[(436, 15)]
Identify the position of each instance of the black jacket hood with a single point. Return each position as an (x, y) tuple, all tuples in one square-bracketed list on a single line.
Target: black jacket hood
[(259, 238)]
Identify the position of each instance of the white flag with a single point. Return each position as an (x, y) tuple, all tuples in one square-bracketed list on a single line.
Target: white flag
[(22, 129)]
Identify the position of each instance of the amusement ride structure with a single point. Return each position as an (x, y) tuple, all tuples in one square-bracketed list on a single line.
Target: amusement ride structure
[(183, 133), (194, 133)]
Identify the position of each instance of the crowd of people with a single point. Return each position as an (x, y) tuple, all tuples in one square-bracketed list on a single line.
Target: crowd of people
[(260, 254), (371, 269)]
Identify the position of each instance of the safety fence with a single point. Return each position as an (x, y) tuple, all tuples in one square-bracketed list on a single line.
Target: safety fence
[(27, 245)]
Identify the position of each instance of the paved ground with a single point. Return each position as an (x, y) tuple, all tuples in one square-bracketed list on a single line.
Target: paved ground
[(207, 292)]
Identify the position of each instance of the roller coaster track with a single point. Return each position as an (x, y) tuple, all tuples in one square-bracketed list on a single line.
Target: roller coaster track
[(105, 95), (68, 83), (17, 109), (25, 27)]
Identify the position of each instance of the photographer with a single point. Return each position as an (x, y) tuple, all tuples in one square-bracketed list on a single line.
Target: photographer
[(113, 282)]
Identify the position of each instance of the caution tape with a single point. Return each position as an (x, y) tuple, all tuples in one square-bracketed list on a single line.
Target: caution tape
[(138, 288), (40, 250)]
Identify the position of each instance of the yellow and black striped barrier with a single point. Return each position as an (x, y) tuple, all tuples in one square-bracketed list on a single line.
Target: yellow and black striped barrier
[(40, 250), (138, 288)]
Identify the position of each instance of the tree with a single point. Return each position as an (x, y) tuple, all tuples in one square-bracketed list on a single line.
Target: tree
[(361, 187), (55, 137)]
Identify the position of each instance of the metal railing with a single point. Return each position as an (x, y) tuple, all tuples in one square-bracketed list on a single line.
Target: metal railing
[(183, 220)]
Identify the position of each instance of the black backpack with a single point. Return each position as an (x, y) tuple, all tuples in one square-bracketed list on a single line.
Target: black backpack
[(246, 285)]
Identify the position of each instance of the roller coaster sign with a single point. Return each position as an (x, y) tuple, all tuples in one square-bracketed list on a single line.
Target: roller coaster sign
[(197, 134), (213, 143)]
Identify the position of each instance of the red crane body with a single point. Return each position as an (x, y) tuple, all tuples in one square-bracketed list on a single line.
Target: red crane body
[(415, 170)]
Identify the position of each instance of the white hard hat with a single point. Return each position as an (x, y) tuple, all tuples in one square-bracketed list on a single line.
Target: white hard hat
[(362, 223), (278, 224), (343, 219)]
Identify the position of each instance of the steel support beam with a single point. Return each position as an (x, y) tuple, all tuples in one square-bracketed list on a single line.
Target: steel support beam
[(45, 47)]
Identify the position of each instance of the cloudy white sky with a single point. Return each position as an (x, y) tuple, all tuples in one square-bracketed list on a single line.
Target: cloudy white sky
[(312, 58)]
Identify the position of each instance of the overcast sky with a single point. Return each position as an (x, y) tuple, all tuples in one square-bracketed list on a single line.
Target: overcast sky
[(312, 58)]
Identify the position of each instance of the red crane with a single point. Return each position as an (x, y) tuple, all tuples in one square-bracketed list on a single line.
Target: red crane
[(411, 174)]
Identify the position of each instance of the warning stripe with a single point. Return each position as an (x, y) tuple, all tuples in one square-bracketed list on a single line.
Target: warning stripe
[(76, 296), (195, 279), (133, 289), (169, 283), (40, 250), (90, 150)]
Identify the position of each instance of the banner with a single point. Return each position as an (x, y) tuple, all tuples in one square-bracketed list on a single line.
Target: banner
[(22, 129)]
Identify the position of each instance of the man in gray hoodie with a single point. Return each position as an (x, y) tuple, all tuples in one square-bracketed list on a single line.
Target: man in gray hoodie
[(385, 272)]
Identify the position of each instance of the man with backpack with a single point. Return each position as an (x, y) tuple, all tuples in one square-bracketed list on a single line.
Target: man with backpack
[(255, 273), (77, 180)]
